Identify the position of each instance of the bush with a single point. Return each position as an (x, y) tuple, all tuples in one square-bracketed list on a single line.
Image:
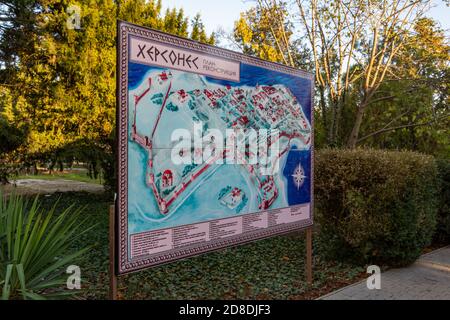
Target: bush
[(11, 138), (375, 206), (7, 170), (35, 248), (443, 226)]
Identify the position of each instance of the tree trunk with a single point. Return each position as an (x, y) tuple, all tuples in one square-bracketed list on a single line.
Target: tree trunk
[(331, 136), (353, 139), (323, 107), (337, 121)]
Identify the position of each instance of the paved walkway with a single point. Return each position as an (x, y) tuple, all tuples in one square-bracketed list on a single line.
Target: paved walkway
[(427, 278), (39, 186)]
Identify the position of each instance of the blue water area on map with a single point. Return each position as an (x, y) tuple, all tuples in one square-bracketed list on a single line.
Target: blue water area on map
[(136, 73), (303, 193)]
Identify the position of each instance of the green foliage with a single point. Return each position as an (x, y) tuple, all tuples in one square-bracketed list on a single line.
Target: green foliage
[(192, 105), (168, 191), (17, 23), (258, 32), (187, 169), (409, 106), (62, 80), (201, 116), (35, 248), (242, 204), (172, 107), (223, 192), (375, 206), (175, 22), (443, 226), (244, 272), (198, 32), (411, 109), (12, 136)]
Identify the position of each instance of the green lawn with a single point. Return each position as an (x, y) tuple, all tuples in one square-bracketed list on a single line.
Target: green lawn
[(75, 176), (267, 269)]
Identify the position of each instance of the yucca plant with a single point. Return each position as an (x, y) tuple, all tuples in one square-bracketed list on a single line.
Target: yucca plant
[(35, 248)]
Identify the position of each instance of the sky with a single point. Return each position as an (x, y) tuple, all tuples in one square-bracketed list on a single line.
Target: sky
[(223, 13), (214, 13)]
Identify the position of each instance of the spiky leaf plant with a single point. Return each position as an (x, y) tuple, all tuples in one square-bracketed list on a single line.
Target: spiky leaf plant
[(36, 248)]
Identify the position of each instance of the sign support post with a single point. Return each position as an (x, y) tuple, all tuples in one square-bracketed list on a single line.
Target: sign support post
[(112, 265), (309, 272)]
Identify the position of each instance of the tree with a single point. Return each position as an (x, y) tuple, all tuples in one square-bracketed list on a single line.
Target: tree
[(198, 32), (17, 24), (266, 32), (174, 22), (352, 43), (65, 77), (414, 98), (11, 136)]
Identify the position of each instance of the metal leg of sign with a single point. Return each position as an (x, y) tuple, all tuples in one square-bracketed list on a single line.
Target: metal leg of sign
[(112, 263), (309, 272)]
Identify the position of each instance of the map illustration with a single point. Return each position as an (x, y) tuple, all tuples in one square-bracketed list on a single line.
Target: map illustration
[(161, 100)]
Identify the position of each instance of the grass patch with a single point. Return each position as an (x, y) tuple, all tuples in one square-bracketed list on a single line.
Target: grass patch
[(267, 269)]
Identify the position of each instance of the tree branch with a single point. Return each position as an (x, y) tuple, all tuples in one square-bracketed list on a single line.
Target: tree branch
[(409, 125)]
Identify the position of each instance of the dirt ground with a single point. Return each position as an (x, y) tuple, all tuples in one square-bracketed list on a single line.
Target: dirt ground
[(38, 186)]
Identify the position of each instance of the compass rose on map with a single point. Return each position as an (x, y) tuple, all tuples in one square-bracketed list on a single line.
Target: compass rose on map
[(299, 176)]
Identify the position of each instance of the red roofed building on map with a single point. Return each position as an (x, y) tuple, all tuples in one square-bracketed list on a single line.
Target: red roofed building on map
[(220, 93), (243, 120), (236, 192), (163, 76), (269, 90), (208, 93), (182, 95), (167, 179), (211, 96)]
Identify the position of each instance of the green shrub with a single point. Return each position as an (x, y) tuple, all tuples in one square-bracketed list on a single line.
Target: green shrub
[(443, 227), (375, 206), (11, 138), (35, 248)]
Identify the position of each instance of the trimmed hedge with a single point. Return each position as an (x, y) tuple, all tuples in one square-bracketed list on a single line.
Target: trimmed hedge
[(375, 206), (443, 226)]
